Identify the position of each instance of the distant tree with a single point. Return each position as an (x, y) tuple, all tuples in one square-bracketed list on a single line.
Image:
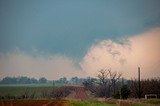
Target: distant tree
[(89, 84), (125, 92), (42, 80), (23, 80), (33, 80), (9, 80), (63, 80), (74, 80)]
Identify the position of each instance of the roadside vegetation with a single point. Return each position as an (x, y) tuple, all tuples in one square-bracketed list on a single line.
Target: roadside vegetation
[(142, 102), (89, 103)]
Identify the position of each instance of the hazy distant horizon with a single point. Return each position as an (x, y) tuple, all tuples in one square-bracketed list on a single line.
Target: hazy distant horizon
[(70, 38)]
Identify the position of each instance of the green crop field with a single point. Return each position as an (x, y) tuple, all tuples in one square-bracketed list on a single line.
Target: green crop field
[(19, 89), (89, 103)]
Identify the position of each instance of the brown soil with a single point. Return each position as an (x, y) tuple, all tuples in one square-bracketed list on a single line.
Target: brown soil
[(34, 103)]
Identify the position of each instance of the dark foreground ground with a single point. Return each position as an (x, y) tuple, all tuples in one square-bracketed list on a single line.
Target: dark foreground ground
[(53, 103)]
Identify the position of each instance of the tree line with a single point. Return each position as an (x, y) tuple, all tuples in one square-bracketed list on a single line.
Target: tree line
[(112, 84), (148, 86), (23, 80), (26, 80)]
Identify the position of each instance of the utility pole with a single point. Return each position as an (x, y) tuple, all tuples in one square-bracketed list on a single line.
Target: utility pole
[(122, 84), (53, 84), (139, 84), (122, 81)]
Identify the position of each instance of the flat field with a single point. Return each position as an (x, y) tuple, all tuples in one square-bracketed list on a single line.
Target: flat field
[(52, 103), (20, 89)]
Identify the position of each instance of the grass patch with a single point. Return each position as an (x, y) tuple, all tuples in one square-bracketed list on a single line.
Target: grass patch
[(142, 102), (19, 90), (41, 102), (152, 101), (138, 104), (89, 103)]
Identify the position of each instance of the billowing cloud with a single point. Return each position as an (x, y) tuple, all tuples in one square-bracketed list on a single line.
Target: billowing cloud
[(141, 50), (18, 63), (124, 56)]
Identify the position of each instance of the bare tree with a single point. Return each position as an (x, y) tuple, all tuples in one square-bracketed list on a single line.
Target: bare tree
[(114, 77), (89, 84), (107, 80), (103, 77)]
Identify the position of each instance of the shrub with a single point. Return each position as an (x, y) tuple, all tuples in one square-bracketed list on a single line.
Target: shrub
[(125, 92)]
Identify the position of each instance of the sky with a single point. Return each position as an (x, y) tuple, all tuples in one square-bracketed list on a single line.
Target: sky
[(56, 38)]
